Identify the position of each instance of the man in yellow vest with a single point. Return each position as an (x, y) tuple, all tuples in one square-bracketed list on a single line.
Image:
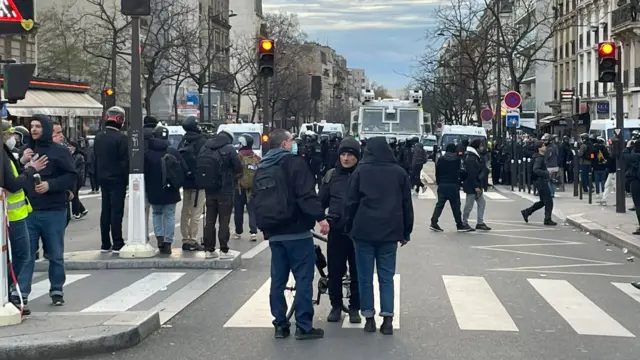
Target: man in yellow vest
[(18, 208)]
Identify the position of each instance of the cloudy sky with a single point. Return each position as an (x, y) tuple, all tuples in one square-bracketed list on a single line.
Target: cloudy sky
[(382, 36)]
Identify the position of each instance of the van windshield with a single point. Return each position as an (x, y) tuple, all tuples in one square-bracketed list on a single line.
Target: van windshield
[(174, 140), (457, 138), (256, 139)]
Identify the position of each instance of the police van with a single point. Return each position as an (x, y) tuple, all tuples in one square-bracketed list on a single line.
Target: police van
[(605, 128), (456, 133), (327, 128), (255, 130), (175, 135)]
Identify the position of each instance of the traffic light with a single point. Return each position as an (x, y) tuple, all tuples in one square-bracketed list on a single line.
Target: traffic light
[(135, 7), (109, 96), (607, 62), (266, 57)]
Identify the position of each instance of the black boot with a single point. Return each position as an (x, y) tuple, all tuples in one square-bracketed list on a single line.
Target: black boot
[(354, 316), (160, 242), (525, 215), (312, 334), (550, 222), (335, 314), (370, 325), (387, 325), (282, 332)]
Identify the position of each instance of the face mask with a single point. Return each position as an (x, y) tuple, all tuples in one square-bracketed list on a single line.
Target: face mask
[(11, 143), (294, 148)]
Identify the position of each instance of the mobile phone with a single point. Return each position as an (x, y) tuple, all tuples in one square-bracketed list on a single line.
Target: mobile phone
[(37, 179), (35, 157)]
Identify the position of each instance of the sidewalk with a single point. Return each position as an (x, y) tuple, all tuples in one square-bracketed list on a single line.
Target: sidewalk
[(67, 335), (596, 220)]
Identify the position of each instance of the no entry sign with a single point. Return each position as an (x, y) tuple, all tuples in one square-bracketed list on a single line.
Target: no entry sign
[(512, 99), (486, 114)]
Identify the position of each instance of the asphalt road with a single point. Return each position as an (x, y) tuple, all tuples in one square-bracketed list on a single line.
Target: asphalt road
[(521, 291)]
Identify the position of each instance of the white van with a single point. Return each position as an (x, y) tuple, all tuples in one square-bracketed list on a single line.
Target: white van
[(255, 130), (327, 128), (175, 135), (604, 128), (455, 134)]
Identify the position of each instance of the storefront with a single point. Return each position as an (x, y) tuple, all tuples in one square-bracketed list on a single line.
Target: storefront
[(64, 101)]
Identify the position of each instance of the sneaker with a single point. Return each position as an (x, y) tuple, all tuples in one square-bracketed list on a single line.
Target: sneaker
[(211, 254), (335, 314), (525, 215), (354, 316), (636, 284), (550, 223), (312, 334), (637, 232), (83, 214), (16, 302), (370, 325), (104, 249), (192, 246), (57, 300), (76, 216), (236, 236), (253, 237), (226, 255), (282, 332), (387, 325), (465, 228), (435, 227), (483, 227), (116, 249), (166, 248)]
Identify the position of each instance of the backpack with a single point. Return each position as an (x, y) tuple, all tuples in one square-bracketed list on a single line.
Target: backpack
[(590, 153), (601, 158), (172, 172), (249, 167), (271, 201), (329, 175), (209, 169), (189, 153)]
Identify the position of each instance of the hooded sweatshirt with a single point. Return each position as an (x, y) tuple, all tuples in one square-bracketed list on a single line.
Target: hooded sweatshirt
[(157, 193), (302, 189), (59, 173), (196, 137), (378, 206), (448, 169), (231, 165)]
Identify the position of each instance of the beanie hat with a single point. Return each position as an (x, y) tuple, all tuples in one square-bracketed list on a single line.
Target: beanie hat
[(150, 122), (349, 145)]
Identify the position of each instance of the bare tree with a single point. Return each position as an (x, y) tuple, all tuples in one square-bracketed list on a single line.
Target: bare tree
[(243, 70)]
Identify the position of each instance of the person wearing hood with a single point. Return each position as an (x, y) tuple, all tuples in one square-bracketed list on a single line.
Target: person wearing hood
[(111, 166), (472, 185), (418, 159), (89, 167), (149, 123), (48, 198), (18, 210), (193, 198), (242, 195), (77, 208), (448, 181), (378, 213), (161, 194), (219, 199), (340, 251), (287, 207)]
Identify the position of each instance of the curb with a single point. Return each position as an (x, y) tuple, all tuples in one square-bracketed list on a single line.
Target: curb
[(120, 332), (612, 236)]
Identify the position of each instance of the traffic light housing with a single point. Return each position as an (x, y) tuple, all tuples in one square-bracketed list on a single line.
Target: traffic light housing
[(607, 62), (109, 96), (266, 57), (135, 7)]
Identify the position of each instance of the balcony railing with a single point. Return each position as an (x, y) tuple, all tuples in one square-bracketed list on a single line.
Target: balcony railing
[(621, 16), (529, 104)]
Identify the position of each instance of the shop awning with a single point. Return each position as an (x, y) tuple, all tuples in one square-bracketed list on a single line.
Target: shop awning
[(55, 103), (548, 119)]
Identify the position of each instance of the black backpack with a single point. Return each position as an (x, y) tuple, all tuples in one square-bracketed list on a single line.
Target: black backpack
[(591, 153), (172, 172), (270, 198), (189, 153), (208, 173)]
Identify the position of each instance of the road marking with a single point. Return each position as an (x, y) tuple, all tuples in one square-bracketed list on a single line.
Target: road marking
[(181, 298), (629, 290), (585, 317), (475, 305), (135, 293), (495, 196), (254, 251), (256, 312), (42, 288), (427, 194), (376, 295)]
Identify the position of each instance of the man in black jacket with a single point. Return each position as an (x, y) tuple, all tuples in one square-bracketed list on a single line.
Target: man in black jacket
[(193, 202), (49, 202), (111, 166), (472, 185), (418, 159), (340, 249), (448, 181), (378, 215), (541, 180), (291, 242)]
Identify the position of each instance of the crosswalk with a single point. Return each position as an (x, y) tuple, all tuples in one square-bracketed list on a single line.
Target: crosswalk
[(477, 307), (116, 291), (430, 194)]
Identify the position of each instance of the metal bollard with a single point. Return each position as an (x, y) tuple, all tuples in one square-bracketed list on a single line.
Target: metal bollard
[(528, 175), (591, 179), (578, 178), (561, 172), (513, 174), (519, 177)]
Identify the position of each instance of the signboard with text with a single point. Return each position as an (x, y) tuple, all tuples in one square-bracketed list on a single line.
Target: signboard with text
[(16, 17)]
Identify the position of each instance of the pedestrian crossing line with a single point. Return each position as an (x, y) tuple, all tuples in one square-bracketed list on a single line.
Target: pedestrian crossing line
[(585, 317), (42, 288), (429, 194), (135, 293), (376, 295), (629, 290), (475, 305), (256, 312)]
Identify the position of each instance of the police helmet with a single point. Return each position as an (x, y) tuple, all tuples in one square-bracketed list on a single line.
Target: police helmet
[(115, 115), (161, 132), (246, 140), (23, 134), (190, 123)]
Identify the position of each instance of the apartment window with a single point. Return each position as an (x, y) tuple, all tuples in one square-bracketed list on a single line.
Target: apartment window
[(575, 4), (323, 57), (580, 89), (588, 94), (605, 31), (24, 41), (596, 89), (7, 46), (580, 42), (560, 49), (573, 47), (588, 38), (566, 49)]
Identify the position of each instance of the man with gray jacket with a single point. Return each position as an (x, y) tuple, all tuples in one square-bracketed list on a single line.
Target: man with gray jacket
[(551, 160)]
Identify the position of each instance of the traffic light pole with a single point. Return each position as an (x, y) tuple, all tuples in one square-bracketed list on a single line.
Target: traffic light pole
[(137, 245), (266, 111), (620, 186)]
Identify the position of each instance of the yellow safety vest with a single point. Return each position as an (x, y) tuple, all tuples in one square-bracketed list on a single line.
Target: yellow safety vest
[(17, 204)]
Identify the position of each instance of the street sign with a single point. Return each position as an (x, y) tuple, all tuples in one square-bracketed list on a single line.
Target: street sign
[(486, 114), (617, 131), (513, 120), (16, 17), (512, 99)]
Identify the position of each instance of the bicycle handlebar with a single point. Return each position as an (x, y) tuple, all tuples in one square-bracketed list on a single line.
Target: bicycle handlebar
[(319, 236)]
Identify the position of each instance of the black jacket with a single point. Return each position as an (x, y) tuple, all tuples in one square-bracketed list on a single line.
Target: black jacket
[(231, 166), (302, 188), (448, 169), (111, 157), (60, 173), (475, 167), (156, 193), (200, 140), (78, 163), (378, 203), (15, 183), (419, 155), (539, 171), (332, 193)]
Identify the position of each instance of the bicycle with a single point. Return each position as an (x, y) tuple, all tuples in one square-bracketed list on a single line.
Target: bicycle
[(323, 282)]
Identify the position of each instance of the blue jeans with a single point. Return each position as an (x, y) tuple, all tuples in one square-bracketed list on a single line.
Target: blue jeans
[(48, 225), (600, 177), (383, 255), (20, 252), (164, 221), (585, 177), (239, 201), (298, 257)]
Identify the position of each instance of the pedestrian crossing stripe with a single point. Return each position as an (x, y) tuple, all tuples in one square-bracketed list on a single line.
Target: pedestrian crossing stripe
[(429, 194)]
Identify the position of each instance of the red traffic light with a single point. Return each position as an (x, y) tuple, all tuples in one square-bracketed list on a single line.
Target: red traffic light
[(109, 91), (607, 49), (266, 46)]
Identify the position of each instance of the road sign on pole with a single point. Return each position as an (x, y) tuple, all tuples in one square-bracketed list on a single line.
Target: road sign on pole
[(513, 120), (486, 114), (512, 99)]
